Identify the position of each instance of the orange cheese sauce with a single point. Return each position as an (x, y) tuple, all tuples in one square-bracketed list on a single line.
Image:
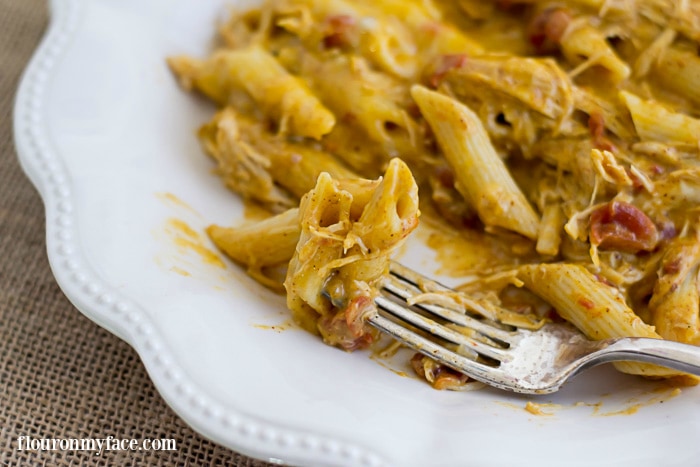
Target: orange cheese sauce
[(187, 239)]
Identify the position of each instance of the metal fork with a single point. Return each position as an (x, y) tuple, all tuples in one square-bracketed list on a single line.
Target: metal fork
[(520, 360)]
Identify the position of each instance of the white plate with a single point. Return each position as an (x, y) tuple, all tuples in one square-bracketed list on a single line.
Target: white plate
[(108, 139)]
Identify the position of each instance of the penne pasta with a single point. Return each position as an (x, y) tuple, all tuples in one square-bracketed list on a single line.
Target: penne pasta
[(584, 45), (262, 247), (263, 167), (270, 242), (592, 306), (481, 176), (371, 102), (285, 97), (675, 301), (654, 122), (678, 71)]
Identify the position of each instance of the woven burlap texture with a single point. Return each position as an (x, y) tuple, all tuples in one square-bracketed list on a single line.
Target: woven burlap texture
[(62, 376)]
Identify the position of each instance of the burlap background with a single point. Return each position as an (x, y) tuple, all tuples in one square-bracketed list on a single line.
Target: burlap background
[(61, 376)]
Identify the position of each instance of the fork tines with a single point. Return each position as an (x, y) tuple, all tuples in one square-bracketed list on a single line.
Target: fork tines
[(419, 324)]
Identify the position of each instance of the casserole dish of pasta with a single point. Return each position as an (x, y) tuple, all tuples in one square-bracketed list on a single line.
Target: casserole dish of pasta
[(542, 156)]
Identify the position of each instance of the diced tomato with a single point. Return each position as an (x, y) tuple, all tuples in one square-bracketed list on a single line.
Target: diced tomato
[(596, 125), (624, 227), (546, 29), (340, 31)]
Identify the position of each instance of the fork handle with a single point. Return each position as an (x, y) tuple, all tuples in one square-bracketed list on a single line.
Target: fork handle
[(670, 354)]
